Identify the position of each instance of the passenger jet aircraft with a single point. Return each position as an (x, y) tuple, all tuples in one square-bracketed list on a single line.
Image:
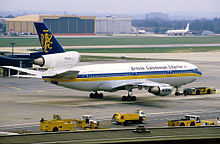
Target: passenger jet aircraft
[(179, 32), (158, 78)]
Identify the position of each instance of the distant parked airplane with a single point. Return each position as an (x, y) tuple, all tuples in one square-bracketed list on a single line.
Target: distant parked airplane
[(179, 32), (141, 31)]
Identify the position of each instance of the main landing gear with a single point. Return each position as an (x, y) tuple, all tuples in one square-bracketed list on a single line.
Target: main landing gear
[(177, 93), (96, 95), (129, 97)]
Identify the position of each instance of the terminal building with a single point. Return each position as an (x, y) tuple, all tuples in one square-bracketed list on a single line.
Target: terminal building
[(59, 24)]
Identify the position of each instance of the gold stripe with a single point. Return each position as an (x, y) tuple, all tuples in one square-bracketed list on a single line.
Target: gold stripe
[(123, 77)]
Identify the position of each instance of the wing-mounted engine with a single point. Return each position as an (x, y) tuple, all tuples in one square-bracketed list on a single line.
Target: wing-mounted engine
[(65, 59), (160, 91)]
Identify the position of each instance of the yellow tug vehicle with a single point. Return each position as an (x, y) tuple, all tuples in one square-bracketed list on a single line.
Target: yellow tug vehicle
[(190, 120), (199, 91), (137, 117)]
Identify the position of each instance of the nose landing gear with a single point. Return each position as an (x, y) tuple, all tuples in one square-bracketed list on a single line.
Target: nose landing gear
[(177, 93)]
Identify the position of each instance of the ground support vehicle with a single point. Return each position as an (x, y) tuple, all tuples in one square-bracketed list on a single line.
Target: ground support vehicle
[(87, 122), (199, 90), (121, 118), (57, 124), (190, 120)]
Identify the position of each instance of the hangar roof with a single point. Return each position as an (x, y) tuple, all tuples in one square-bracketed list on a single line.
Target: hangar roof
[(26, 18), (39, 18)]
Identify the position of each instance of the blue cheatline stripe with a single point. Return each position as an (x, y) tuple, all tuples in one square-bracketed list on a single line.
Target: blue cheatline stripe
[(196, 71)]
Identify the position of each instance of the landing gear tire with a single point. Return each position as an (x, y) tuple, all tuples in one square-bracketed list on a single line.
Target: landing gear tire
[(129, 98), (124, 98), (208, 91), (92, 95), (96, 95), (177, 93), (133, 98)]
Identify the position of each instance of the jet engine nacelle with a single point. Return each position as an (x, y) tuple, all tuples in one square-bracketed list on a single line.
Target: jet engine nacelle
[(160, 91), (65, 59)]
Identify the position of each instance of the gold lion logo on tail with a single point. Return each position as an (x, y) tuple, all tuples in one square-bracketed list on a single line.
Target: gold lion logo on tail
[(46, 40)]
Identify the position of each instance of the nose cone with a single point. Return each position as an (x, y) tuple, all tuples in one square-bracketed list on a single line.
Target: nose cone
[(199, 72), (196, 70)]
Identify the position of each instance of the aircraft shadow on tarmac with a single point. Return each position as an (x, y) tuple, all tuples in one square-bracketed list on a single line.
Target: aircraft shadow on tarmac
[(148, 102)]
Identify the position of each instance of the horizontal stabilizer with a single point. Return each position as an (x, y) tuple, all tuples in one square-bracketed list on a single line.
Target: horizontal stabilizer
[(25, 76), (34, 74)]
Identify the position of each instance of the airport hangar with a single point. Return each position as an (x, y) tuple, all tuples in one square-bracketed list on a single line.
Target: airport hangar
[(71, 25)]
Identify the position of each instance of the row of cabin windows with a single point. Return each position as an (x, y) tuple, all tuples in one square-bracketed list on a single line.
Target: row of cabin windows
[(140, 73)]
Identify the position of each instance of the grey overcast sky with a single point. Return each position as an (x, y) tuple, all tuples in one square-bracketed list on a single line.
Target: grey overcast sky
[(112, 6)]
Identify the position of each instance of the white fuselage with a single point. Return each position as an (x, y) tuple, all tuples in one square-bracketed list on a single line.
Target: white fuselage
[(179, 31), (102, 77), (182, 32)]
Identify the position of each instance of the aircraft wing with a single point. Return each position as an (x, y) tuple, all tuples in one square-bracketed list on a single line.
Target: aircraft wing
[(149, 83), (66, 74), (136, 84)]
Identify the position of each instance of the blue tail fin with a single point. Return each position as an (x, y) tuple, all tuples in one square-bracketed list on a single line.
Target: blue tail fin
[(48, 42)]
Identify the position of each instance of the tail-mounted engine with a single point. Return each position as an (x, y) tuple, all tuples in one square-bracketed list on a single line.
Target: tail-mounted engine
[(65, 59)]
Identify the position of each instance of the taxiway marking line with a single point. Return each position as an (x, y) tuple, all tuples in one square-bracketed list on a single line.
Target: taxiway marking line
[(174, 112), (12, 87)]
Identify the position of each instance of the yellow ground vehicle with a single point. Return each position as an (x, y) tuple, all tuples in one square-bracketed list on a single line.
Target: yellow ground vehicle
[(199, 90), (57, 124), (190, 120), (88, 122), (137, 117)]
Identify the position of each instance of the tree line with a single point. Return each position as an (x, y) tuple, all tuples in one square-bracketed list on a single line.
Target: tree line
[(161, 26)]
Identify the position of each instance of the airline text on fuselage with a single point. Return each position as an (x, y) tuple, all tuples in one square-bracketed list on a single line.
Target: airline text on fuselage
[(168, 67)]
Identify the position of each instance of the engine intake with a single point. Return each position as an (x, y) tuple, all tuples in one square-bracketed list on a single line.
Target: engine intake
[(67, 59), (160, 91)]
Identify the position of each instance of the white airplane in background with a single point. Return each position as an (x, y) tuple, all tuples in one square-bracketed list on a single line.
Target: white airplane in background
[(141, 32), (178, 32), (158, 78)]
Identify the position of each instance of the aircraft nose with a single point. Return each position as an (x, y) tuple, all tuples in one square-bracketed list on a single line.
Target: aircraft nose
[(199, 72)]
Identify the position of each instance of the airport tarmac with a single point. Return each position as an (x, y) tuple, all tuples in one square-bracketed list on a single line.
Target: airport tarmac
[(23, 102)]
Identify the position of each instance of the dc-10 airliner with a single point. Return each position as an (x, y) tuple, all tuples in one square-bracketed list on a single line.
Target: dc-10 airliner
[(158, 78)]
